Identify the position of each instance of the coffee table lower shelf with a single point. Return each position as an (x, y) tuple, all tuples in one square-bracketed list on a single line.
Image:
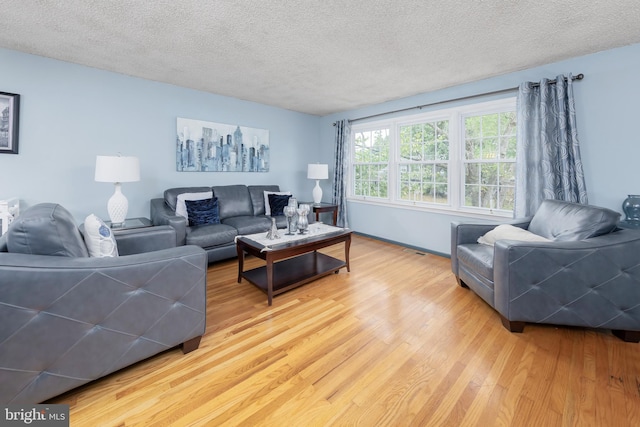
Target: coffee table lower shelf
[(294, 272)]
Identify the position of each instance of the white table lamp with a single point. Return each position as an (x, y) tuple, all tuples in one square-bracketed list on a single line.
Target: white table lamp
[(317, 171), (117, 169)]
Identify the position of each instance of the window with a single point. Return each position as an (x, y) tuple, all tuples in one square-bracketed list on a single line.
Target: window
[(371, 163), (489, 160), (459, 159), (424, 162)]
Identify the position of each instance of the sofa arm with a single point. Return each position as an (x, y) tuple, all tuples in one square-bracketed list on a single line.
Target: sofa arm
[(593, 282), (161, 214), (464, 233), (68, 321), (148, 239)]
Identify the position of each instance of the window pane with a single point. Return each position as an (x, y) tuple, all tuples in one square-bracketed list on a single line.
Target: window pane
[(488, 196), (416, 191), (507, 174), (427, 193), (473, 149), (404, 190), (490, 138), (507, 198), (405, 143), (472, 173), (375, 147), (490, 148), (471, 195), (371, 156), (508, 148), (442, 131), (416, 133), (472, 126), (362, 140), (489, 173), (442, 193), (430, 150), (358, 188), (429, 132), (490, 125), (442, 150), (384, 146), (428, 171), (416, 173), (508, 124), (442, 174), (416, 151)]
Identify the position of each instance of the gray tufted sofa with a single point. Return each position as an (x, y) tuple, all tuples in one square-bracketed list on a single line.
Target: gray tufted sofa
[(241, 210), (588, 275), (67, 319)]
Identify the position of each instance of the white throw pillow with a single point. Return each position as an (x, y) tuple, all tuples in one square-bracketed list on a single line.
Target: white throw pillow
[(510, 232), (181, 207), (99, 238), (267, 206)]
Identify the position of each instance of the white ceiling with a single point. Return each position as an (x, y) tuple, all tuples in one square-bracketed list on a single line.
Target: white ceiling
[(316, 56)]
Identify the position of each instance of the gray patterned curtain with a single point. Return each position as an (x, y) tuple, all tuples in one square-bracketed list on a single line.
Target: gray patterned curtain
[(548, 164), (343, 130)]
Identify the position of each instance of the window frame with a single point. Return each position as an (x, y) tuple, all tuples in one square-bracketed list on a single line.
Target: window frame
[(456, 172)]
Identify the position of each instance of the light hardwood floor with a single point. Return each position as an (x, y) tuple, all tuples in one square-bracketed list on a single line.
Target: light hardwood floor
[(395, 342)]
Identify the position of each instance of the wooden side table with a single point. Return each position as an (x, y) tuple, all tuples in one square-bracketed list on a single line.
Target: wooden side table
[(324, 207)]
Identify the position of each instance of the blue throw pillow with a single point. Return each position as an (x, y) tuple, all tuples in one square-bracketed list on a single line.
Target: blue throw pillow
[(203, 212), (277, 202)]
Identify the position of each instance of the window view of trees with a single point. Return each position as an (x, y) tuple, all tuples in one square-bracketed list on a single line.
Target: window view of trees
[(371, 163), (424, 162), (489, 160), (460, 159)]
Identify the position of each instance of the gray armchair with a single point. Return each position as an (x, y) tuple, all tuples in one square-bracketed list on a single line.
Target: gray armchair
[(67, 319), (588, 274)]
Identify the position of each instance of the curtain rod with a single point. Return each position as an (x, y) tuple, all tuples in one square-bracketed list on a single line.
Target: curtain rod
[(496, 92)]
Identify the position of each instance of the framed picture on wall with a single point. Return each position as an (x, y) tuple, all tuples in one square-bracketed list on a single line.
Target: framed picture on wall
[(217, 147), (9, 119)]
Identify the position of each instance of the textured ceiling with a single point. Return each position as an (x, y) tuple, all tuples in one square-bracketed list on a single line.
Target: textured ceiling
[(316, 56)]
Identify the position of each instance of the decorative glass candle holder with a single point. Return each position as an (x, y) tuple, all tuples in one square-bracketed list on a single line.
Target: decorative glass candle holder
[(303, 221)]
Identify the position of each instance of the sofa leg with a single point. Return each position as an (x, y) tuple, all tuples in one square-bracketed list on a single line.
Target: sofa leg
[(461, 283), (628, 336), (192, 344), (512, 326)]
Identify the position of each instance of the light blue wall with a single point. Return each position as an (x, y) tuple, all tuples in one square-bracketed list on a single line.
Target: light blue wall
[(607, 114), (70, 113)]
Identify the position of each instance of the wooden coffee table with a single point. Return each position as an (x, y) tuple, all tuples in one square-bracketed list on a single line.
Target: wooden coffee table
[(292, 264)]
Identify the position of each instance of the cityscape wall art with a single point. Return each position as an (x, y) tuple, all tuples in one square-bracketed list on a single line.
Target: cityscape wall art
[(217, 147)]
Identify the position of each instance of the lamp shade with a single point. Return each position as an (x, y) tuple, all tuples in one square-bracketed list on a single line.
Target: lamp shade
[(117, 169), (317, 171)]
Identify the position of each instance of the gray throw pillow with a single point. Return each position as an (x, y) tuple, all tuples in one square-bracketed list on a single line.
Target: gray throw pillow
[(46, 229)]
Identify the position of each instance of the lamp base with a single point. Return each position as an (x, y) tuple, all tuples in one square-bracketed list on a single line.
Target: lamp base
[(317, 193), (117, 206)]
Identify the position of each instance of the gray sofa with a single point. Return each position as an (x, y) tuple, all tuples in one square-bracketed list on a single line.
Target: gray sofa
[(587, 275), (67, 319), (241, 210)]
